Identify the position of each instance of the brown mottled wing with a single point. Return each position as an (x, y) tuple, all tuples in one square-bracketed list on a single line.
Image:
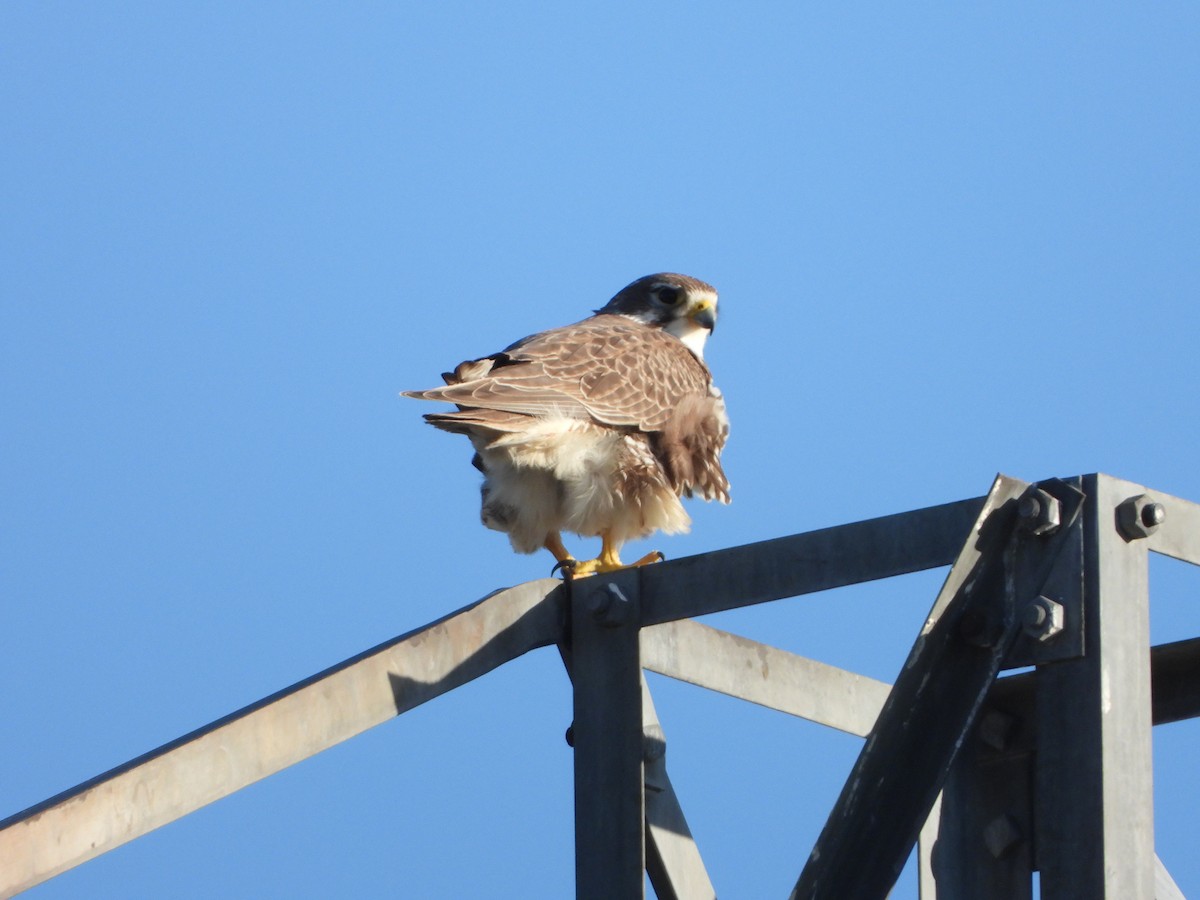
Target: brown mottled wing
[(615, 370)]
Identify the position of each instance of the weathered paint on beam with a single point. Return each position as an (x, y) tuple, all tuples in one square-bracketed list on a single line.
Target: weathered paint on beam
[(282, 729), (762, 674)]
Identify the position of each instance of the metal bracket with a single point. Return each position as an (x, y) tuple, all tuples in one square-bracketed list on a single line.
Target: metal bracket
[(1062, 637)]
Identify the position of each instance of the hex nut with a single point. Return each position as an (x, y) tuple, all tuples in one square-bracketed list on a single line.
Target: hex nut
[(610, 607), (1001, 834), (1042, 619), (1139, 517), (1039, 512)]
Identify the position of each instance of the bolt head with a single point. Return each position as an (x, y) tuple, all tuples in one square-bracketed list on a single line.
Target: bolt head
[(1001, 834), (1042, 619), (1139, 517), (1153, 514), (610, 607), (1039, 512)]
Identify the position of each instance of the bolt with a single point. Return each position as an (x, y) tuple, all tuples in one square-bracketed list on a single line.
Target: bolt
[(1001, 835), (1139, 517), (1042, 619), (1039, 512), (610, 607), (569, 734)]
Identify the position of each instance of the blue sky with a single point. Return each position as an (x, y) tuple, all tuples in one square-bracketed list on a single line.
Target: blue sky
[(949, 242)]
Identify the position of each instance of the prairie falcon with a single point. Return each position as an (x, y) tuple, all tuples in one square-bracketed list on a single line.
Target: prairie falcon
[(597, 428)]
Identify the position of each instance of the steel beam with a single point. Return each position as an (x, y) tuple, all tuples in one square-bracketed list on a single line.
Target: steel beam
[(748, 670), (1179, 534), (276, 732), (926, 844), (1165, 887), (607, 735), (984, 849), (805, 563), (673, 862), (1175, 681), (936, 696), (1094, 802), (1175, 690)]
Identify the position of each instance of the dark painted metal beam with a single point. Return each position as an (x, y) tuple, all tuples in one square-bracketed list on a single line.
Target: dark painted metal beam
[(1094, 801), (932, 706), (1175, 681), (804, 563), (985, 846), (1175, 692), (606, 673)]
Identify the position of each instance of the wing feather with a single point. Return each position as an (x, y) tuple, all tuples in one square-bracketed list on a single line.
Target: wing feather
[(613, 369)]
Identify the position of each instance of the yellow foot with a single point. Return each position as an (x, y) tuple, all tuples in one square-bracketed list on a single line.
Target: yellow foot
[(587, 567)]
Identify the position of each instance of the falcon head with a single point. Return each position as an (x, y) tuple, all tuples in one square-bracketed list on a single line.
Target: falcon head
[(678, 304)]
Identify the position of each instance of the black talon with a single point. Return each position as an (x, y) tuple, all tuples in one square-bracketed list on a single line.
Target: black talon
[(567, 566), (662, 557)]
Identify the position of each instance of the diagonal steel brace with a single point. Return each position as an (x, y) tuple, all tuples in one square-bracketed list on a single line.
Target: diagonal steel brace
[(936, 696)]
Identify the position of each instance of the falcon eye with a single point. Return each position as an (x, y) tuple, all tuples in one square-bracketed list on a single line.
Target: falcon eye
[(668, 295)]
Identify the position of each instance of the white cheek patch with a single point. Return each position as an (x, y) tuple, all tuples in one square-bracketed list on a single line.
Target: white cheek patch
[(691, 334)]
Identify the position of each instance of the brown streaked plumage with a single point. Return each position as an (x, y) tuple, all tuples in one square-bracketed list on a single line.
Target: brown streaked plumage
[(598, 427)]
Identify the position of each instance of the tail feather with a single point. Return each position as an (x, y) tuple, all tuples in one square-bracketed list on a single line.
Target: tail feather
[(475, 421)]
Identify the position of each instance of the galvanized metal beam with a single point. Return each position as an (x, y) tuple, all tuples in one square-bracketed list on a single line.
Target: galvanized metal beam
[(805, 563), (1094, 802), (1165, 887), (673, 861), (739, 667), (606, 673), (937, 694), (276, 732), (926, 844), (1178, 535)]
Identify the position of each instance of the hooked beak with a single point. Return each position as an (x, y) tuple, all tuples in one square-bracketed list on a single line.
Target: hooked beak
[(704, 315)]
